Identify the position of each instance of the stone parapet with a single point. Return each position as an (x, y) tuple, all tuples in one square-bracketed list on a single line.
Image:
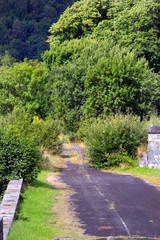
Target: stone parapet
[(154, 146), (1, 228), (9, 204)]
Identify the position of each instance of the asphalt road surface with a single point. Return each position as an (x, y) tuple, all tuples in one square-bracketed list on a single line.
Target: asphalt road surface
[(113, 204)]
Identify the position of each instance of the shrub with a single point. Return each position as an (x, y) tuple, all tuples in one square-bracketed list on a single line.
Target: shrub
[(45, 133), (153, 119), (110, 140), (19, 157), (21, 137)]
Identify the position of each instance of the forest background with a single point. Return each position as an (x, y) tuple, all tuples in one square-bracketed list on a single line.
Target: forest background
[(103, 60), (24, 26)]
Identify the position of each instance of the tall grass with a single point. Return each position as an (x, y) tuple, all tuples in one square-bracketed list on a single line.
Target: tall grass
[(154, 119)]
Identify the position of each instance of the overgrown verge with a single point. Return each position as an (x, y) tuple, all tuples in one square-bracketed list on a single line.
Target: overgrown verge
[(22, 138), (114, 140), (46, 209), (35, 220)]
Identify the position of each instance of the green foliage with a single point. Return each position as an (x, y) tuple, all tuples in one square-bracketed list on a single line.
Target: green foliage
[(151, 93), (64, 53), (19, 155), (19, 158), (21, 137), (104, 58), (135, 24), (6, 60), (120, 158), (78, 20), (22, 85), (113, 84), (24, 26), (45, 134), (152, 119), (93, 78), (110, 141)]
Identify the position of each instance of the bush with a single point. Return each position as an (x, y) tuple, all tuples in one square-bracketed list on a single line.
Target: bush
[(19, 157), (110, 140), (153, 119), (46, 133), (21, 137)]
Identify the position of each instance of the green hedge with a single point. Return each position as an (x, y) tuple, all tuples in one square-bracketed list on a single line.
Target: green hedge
[(19, 158), (22, 137), (113, 140), (46, 133)]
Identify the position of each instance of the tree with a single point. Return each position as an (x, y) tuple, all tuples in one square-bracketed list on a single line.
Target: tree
[(102, 56), (22, 86), (134, 24), (113, 84), (97, 79), (79, 20), (22, 20), (6, 60)]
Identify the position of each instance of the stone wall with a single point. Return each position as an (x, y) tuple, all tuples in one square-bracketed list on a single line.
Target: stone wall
[(1, 228), (154, 146), (9, 204)]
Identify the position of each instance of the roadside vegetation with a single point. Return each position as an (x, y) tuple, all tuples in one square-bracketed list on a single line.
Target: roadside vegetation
[(113, 141), (35, 219), (23, 138), (99, 82)]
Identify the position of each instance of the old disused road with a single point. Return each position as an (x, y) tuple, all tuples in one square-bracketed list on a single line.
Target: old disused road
[(112, 204)]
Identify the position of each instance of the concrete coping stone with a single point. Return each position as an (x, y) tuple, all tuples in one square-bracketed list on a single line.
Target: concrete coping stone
[(1, 228), (9, 205), (56, 238), (154, 129)]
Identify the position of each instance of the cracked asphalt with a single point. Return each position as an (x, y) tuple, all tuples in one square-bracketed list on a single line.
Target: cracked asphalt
[(110, 204)]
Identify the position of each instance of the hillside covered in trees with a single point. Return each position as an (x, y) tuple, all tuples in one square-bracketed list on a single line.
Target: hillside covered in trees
[(103, 63), (24, 25), (104, 57)]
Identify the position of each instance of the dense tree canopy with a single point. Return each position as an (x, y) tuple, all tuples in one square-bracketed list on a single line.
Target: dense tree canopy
[(104, 58), (24, 25), (79, 20), (135, 24), (99, 79), (22, 86)]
